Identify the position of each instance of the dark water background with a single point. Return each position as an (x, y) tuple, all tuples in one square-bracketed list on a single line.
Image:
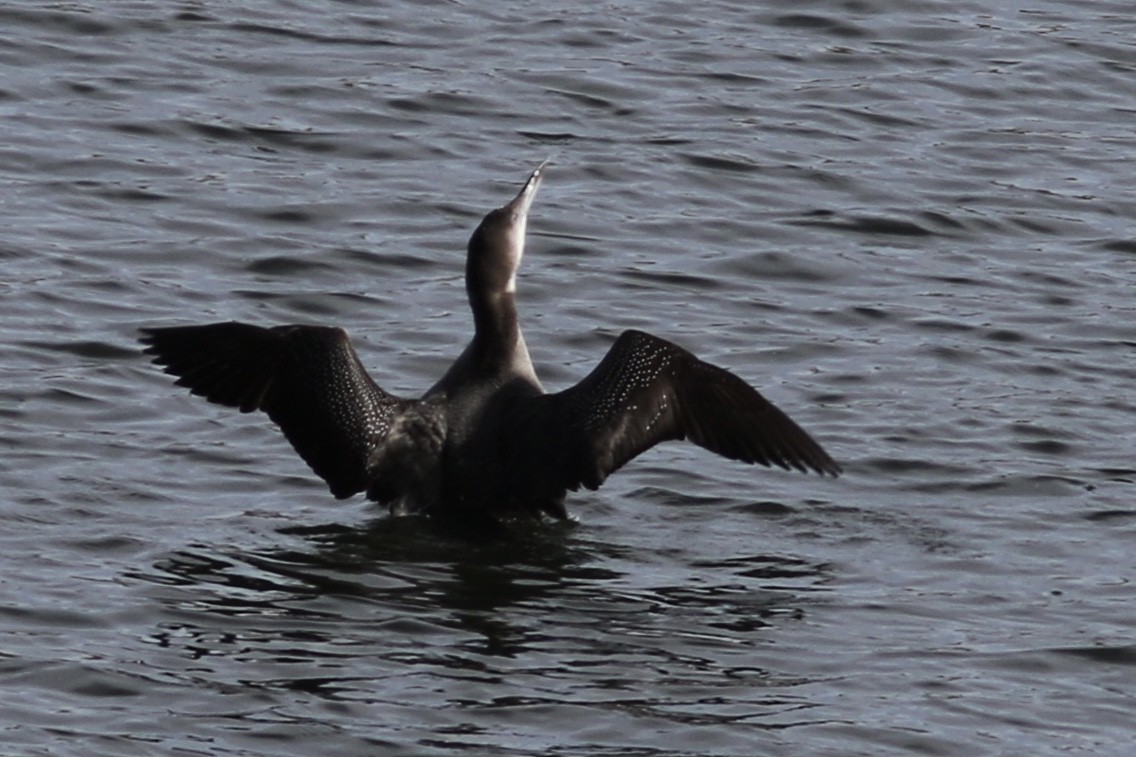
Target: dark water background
[(911, 223)]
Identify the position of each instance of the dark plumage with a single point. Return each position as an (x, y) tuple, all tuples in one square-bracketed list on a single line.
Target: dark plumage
[(486, 439)]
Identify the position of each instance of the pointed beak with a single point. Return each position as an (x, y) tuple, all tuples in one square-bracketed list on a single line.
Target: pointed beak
[(524, 199)]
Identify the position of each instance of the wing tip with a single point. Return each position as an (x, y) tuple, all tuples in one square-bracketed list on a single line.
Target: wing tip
[(828, 467)]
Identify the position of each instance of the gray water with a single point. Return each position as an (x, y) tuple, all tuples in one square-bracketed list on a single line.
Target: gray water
[(912, 224)]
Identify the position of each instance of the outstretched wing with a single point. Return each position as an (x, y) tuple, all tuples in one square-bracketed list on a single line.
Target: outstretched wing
[(307, 378), (647, 390)]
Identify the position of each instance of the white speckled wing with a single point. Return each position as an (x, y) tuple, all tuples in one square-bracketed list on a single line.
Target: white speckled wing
[(307, 378), (647, 390)]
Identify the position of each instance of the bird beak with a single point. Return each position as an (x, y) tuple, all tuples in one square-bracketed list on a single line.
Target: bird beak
[(524, 199)]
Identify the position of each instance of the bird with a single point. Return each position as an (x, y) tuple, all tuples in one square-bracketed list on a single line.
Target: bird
[(486, 441)]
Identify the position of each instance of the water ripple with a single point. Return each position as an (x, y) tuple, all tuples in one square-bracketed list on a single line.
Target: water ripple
[(909, 225)]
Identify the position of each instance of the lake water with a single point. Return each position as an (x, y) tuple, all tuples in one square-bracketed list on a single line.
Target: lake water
[(912, 224)]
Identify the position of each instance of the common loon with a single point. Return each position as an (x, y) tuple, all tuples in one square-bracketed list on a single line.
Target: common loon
[(486, 439)]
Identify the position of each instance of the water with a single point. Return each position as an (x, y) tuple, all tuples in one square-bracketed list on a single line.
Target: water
[(909, 223)]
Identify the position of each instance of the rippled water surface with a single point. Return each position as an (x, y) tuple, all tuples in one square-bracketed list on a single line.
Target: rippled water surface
[(910, 223)]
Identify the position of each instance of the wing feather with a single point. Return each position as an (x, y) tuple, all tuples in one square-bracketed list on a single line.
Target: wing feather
[(308, 379), (647, 390)]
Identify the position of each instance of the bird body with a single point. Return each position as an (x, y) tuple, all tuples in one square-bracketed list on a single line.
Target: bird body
[(486, 439)]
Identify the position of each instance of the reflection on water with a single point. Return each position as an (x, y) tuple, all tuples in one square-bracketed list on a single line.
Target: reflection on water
[(407, 571), (393, 613)]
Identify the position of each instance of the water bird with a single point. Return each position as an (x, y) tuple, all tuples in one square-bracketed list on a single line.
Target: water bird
[(486, 440)]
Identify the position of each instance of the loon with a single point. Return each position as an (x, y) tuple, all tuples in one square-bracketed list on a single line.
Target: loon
[(486, 440)]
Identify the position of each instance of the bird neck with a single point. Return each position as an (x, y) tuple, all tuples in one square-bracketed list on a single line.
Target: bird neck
[(497, 330)]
